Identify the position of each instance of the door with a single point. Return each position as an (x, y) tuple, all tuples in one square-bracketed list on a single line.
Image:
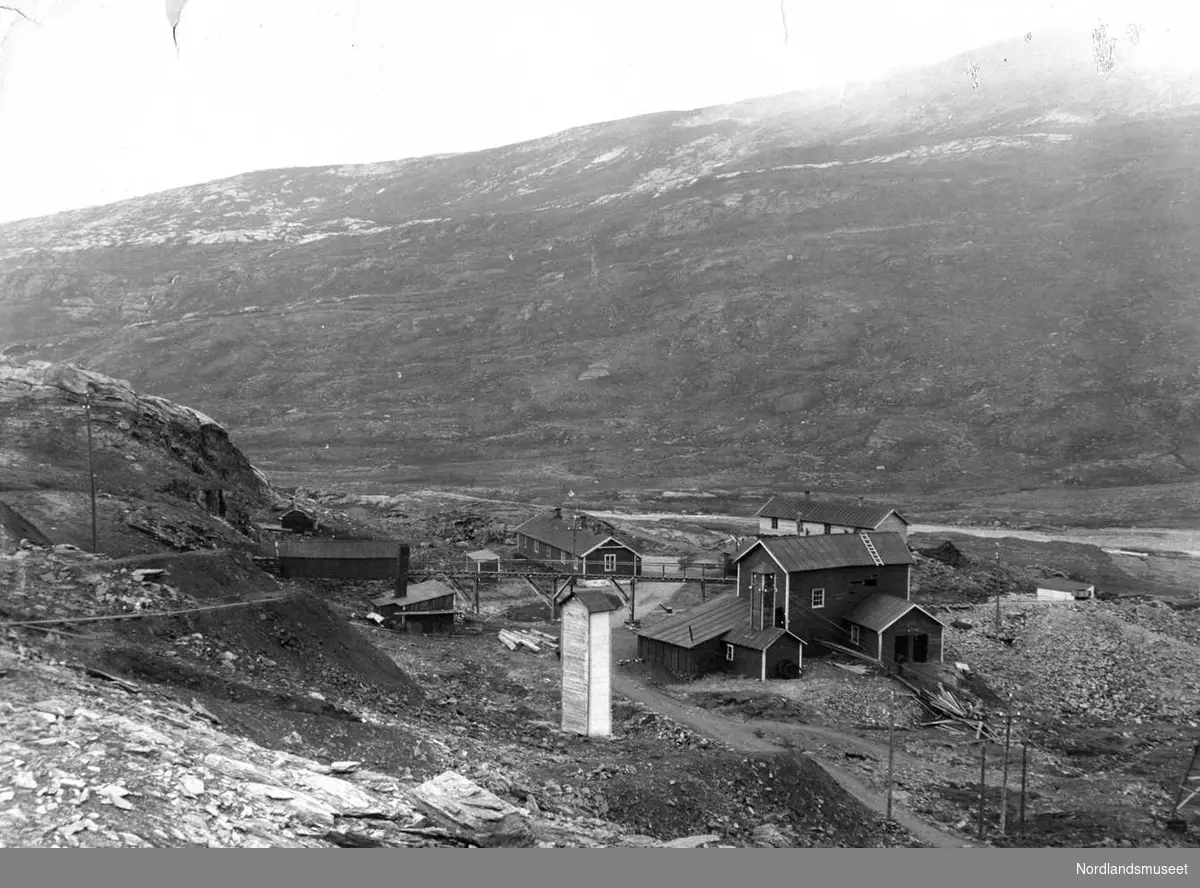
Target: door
[(920, 648), (901, 649)]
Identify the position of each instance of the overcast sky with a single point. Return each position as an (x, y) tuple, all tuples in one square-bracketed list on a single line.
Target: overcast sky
[(96, 103)]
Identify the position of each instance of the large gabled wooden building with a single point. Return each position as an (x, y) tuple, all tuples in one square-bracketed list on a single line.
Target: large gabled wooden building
[(804, 516), (576, 543), (722, 635), (822, 587)]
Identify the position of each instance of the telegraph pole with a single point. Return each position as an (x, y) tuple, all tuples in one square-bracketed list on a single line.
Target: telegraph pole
[(1024, 777), (891, 753), (997, 589), (982, 783), (1004, 779), (87, 410)]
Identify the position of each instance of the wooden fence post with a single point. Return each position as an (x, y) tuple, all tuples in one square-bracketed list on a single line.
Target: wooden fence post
[(982, 784)]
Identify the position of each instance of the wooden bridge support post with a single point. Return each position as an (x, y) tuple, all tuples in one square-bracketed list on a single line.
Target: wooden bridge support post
[(475, 582), (632, 600), (703, 597)]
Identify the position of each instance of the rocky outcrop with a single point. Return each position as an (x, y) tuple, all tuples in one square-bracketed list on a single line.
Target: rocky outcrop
[(168, 472)]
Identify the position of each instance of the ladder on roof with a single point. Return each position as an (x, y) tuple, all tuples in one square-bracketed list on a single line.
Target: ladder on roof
[(871, 549), (1189, 788)]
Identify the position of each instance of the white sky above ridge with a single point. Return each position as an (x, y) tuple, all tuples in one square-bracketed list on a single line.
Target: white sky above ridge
[(96, 103)]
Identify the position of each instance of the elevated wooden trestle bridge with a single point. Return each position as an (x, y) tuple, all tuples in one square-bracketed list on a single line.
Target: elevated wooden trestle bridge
[(552, 586), (549, 581)]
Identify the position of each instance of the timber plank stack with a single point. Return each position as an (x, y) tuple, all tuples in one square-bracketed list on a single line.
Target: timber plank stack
[(530, 639)]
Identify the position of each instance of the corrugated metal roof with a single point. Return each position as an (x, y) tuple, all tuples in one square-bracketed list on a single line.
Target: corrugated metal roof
[(726, 617), (596, 601), (758, 641), (1060, 585), (339, 549), (417, 593), (705, 622), (865, 516), (880, 611), (483, 555), (557, 532), (831, 550)]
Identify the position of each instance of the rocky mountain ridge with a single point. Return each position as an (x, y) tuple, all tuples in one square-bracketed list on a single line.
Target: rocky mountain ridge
[(972, 273)]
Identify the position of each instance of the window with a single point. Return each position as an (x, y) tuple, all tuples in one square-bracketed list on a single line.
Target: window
[(871, 581), (818, 597), (562, 556), (774, 524), (763, 584), (828, 529), (610, 562), (537, 548), (855, 635), (728, 652)]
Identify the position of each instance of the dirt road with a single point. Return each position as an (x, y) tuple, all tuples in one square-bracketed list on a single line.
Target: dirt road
[(743, 737)]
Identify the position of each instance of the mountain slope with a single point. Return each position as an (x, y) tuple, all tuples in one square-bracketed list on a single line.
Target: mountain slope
[(971, 274)]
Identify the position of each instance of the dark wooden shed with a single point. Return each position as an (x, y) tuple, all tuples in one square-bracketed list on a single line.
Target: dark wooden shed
[(893, 629), (342, 559), (298, 521), (425, 607)]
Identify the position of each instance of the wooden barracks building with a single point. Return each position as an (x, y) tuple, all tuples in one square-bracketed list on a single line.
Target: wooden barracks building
[(576, 544)]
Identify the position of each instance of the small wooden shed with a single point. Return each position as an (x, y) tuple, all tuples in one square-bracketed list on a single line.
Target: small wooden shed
[(298, 521), (425, 607), (586, 651), (890, 628), (484, 561), (1054, 589)]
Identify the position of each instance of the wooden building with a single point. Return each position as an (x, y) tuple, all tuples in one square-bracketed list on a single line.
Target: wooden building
[(298, 521), (426, 608), (576, 544), (342, 559), (887, 627), (809, 585), (722, 635), (484, 561), (585, 647), (1055, 589), (790, 516)]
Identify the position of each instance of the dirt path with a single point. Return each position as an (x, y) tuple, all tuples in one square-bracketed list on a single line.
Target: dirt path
[(741, 736)]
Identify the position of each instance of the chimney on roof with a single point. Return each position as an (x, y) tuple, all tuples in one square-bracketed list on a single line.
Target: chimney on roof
[(808, 494), (557, 513), (861, 501)]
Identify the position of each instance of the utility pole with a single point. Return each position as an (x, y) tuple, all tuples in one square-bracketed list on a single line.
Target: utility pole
[(87, 410), (1004, 779), (982, 783), (997, 589), (1024, 775), (891, 753)]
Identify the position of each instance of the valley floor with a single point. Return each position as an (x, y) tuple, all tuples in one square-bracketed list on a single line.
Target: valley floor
[(237, 719)]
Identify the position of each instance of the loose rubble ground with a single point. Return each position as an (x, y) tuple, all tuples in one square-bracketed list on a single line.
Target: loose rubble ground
[(280, 724), (1106, 695)]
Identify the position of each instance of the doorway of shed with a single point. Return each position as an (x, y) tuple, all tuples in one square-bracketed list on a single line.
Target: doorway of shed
[(912, 648)]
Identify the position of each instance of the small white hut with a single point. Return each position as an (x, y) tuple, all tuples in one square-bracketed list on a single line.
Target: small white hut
[(1064, 590), (586, 649)]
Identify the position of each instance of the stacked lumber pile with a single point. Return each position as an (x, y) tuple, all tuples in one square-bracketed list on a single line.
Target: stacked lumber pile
[(530, 639), (950, 713)]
